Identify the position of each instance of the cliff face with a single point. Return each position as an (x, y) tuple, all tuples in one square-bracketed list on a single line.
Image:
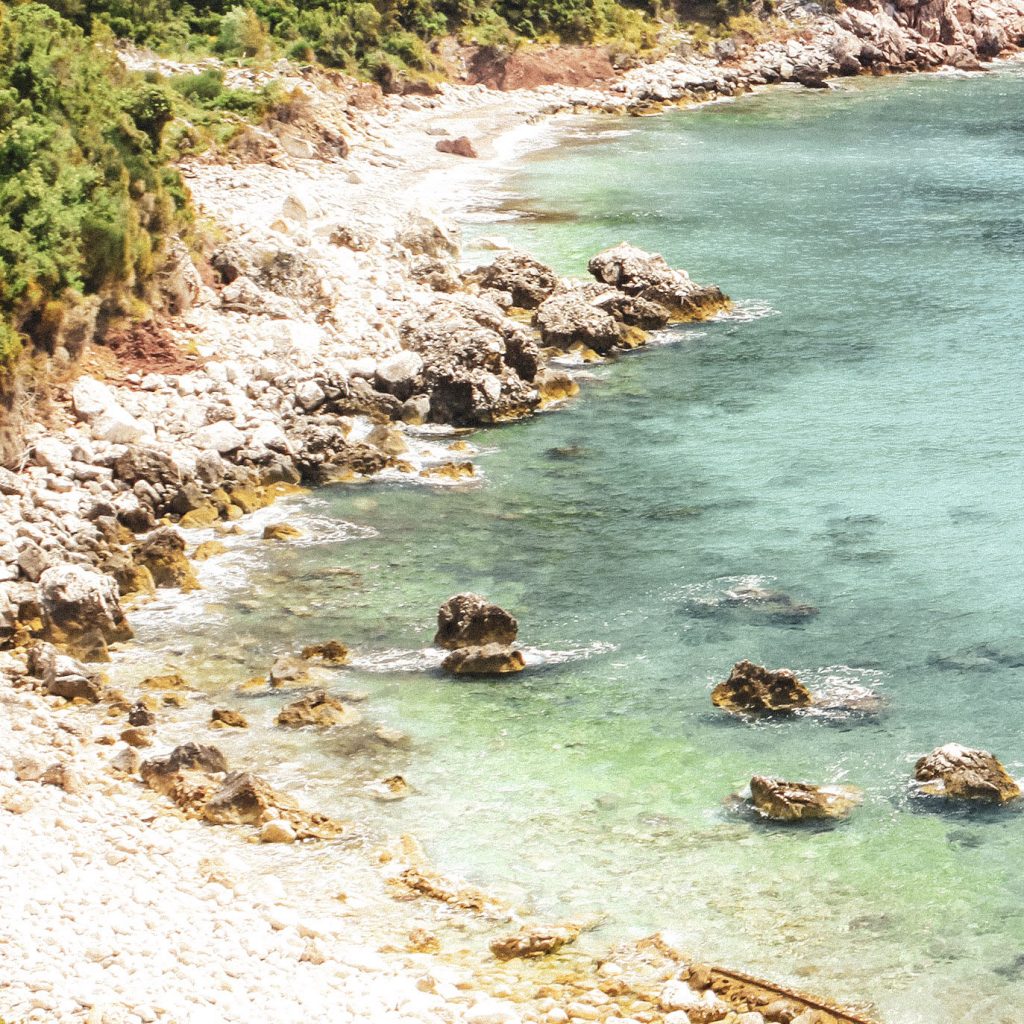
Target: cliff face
[(912, 36)]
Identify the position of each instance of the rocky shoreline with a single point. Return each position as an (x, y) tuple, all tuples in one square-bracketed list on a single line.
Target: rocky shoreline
[(333, 336)]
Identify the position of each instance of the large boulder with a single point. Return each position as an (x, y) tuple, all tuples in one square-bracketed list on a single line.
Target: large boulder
[(478, 364), (488, 660), (469, 620), (575, 317), (244, 799), (648, 275), (962, 773), (163, 554), (527, 280), (161, 773), (63, 676), (800, 801), (317, 708), (81, 611), (754, 689)]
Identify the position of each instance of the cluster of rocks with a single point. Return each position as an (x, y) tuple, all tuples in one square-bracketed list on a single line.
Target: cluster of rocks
[(952, 772)]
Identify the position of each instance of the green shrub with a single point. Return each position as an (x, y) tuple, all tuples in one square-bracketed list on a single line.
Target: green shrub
[(85, 200)]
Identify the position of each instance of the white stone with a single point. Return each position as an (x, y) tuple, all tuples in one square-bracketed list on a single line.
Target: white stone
[(53, 454), (277, 831), (222, 436)]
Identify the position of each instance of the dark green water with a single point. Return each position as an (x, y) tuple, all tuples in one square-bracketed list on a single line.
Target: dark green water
[(859, 449)]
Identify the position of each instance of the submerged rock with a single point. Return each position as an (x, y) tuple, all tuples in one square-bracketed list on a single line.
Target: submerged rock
[(754, 689), (320, 709), (534, 942), (962, 773), (488, 660), (801, 801), (469, 620), (331, 653)]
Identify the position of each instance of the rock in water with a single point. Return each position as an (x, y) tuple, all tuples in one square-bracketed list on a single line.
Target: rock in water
[(331, 652), (649, 276), (468, 620), (81, 610), (244, 799), (527, 280), (163, 554), (533, 942), (189, 756), (961, 773), (800, 801), (488, 660), (318, 708), (754, 689)]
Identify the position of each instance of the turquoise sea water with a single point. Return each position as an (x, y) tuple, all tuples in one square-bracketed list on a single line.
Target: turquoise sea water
[(857, 445)]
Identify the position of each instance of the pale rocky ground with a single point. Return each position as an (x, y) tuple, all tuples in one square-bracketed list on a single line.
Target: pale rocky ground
[(116, 909)]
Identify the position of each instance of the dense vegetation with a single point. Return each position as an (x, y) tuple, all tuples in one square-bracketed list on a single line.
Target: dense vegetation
[(88, 193), (356, 33), (85, 197)]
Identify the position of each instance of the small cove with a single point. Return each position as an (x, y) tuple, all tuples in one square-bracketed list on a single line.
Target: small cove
[(858, 448)]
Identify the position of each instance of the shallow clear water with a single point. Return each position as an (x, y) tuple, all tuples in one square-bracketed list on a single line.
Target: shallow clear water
[(859, 448)]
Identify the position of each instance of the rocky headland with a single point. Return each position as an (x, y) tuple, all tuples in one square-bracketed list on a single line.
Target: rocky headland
[(333, 334)]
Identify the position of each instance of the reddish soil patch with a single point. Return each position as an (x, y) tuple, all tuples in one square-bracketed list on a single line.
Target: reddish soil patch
[(530, 67), (149, 348)]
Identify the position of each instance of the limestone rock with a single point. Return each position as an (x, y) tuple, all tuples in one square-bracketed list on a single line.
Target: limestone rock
[(399, 374), (126, 761), (754, 689), (648, 275), (63, 676), (277, 830), (318, 708), (209, 549), (137, 736), (244, 799), (330, 652), (800, 801), (571, 317), (170, 681), (281, 531), (461, 146), (478, 364), (534, 942), (81, 610), (221, 437), (229, 717), (488, 660), (288, 671), (700, 1007), (158, 772), (527, 280), (163, 554), (469, 620), (140, 714), (963, 773)]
